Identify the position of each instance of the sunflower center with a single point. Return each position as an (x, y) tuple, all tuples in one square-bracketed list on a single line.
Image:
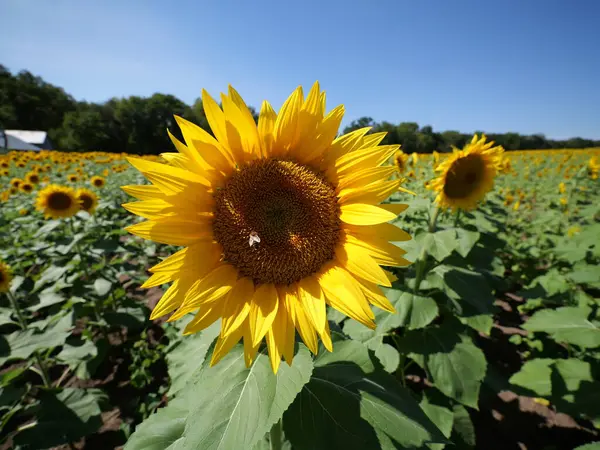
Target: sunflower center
[(277, 221), (59, 201), (464, 176), (86, 202)]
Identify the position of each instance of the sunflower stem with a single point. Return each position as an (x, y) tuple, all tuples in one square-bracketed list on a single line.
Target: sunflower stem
[(23, 324), (422, 261), (17, 310), (78, 249), (275, 435), (457, 218)]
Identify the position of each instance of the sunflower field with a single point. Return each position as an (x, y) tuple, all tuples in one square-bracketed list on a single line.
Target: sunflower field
[(268, 289)]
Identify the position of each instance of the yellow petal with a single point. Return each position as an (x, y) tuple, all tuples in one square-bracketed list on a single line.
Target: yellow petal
[(172, 231), (372, 194), (286, 124), (362, 159), (172, 298), (343, 293), (313, 302), (380, 232), (372, 140), (198, 258), (359, 262), (363, 214), (225, 344), (250, 350), (301, 321), (157, 279), (216, 119), (266, 125), (313, 146), (237, 305), (375, 297), (345, 144), (150, 209), (262, 312), (170, 180), (383, 252), (143, 192), (205, 317), (365, 177)]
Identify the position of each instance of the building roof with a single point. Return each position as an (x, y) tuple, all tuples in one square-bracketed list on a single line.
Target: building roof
[(14, 143), (34, 137)]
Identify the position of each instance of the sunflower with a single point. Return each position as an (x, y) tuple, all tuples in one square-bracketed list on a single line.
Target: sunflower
[(26, 187), (23, 211), (562, 188), (5, 277), (401, 160), (16, 182), (4, 172), (87, 199), (97, 181), (32, 178), (57, 201), (73, 178), (467, 175), (277, 220)]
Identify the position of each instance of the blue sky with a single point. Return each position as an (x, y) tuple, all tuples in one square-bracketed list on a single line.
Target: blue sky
[(512, 65)]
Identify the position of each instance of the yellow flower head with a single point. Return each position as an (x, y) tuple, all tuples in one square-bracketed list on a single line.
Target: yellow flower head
[(16, 182), (5, 277), (73, 178), (23, 211), (32, 178), (401, 160), (467, 175), (277, 220), (26, 187), (562, 188), (57, 202), (97, 181), (564, 201), (572, 231), (87, 199)]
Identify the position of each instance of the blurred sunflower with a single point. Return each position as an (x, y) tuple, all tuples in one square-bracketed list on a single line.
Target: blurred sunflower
[(467, 175), (57, 201), (23, 211), (73, 178), (4, 172), (32, 178), (97, 181), (278, 220), (26, 187), (562, 188), (16, 182), (87, 199), (401, 160), (5, 277)]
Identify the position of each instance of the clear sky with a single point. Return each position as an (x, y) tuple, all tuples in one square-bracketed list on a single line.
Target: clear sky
[(508, 65)]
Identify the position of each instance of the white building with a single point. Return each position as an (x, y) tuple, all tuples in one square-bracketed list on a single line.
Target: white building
[(10, 142), (37, 138)]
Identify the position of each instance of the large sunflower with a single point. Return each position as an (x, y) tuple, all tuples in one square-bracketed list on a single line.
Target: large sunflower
[(57, 201), (278, 220), (5, 277), (467, 175)]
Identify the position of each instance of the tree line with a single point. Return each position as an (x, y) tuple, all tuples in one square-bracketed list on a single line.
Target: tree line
[(137, 124)]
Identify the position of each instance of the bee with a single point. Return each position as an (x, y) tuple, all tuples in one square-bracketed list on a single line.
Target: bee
[(253, 239)]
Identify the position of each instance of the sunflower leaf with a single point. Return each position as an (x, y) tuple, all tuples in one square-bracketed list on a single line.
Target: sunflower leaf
[(351, 403)]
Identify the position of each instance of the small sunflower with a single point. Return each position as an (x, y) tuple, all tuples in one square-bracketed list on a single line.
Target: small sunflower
[(73, 178), (5, 277), (97, 181), (4, 172), (23, 211), (87, 199), (26, 187), (57, 201), (277, 220), (401, 160), (32, 178), (16, 182), (562, 188), (467, 175)]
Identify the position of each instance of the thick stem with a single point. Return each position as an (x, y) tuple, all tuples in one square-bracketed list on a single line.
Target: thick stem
[(23, 323), (276, 436), (457, 218), (17, 310), (422, 261), (78, 249)]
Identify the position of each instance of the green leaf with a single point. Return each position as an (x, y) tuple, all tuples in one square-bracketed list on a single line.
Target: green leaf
[(466, 240), (535, 376), (463, 431), (413, 311), (62, 418), (590, 446), (162, 429), (440, 244), (455, 365), (50, 275), (235, 406), (441, 417), (585, 274), (567, 324), (129, 317), (22, 344), (102, 287), (351, 404), (6, 316), (48, 297), (187, 357)]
